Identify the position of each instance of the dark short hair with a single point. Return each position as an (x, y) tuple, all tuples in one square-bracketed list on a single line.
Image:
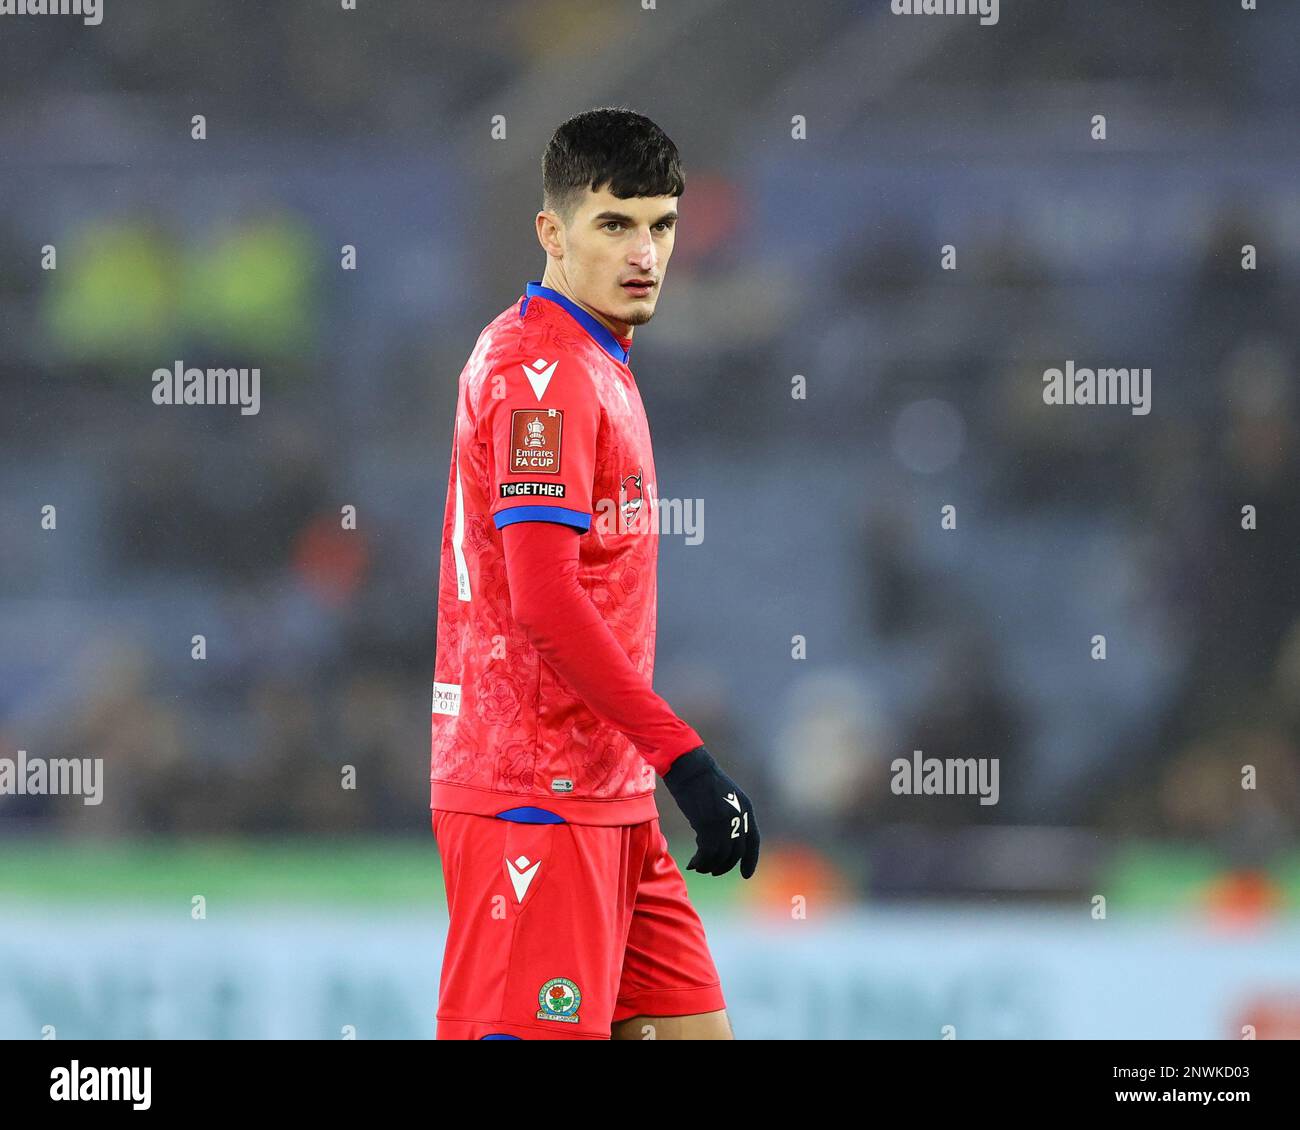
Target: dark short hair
[(613, 148)]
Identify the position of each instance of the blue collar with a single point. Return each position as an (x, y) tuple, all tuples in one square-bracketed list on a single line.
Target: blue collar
[(598, 330)]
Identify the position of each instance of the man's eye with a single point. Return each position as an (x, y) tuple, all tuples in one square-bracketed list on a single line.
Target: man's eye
[(612, 224)]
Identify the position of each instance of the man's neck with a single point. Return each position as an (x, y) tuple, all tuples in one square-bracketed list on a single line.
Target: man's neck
[(618, 329)]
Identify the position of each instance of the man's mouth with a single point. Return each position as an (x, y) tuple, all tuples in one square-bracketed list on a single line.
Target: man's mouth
[(639, 288)]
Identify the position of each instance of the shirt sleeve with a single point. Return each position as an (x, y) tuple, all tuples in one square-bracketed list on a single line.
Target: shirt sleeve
[(567, 630), (540, 420)]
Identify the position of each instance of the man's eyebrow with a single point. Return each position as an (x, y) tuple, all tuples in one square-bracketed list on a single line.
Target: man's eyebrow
[(623, 218)]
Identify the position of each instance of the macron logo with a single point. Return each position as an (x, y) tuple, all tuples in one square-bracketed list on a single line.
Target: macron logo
[(730, 798), (539, 375), (521, 874)]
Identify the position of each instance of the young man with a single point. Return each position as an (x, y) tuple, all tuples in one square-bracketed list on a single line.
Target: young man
[(569, 919)]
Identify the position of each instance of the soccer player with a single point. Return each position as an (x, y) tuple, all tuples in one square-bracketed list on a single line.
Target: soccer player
[(569, 918)]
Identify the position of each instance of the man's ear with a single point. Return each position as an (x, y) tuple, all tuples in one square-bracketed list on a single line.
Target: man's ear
[(550, 233)]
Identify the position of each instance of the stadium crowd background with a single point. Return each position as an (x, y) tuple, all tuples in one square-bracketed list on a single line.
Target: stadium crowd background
[(818, 257)]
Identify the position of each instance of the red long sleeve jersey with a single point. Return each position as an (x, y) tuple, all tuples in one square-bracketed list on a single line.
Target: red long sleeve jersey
[(549, 426)]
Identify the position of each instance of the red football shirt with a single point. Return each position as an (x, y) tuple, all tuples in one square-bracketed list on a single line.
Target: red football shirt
[(549, 426)]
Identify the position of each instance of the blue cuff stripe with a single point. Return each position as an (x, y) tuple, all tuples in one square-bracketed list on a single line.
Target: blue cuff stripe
[(575, 518)]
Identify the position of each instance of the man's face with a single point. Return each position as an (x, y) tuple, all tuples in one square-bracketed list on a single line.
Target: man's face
[(616, 253)]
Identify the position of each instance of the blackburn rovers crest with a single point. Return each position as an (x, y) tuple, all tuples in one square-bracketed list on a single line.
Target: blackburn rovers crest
[(559, 999)]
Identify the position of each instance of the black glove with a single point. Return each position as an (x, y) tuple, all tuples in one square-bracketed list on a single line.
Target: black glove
[(721, 816)]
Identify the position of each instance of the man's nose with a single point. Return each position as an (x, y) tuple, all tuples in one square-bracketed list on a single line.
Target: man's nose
[(644, 254)]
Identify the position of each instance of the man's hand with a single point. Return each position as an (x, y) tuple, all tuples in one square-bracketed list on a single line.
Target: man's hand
[(721, 816)]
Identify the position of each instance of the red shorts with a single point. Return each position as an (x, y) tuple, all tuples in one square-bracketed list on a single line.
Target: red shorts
[(557, 930)]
